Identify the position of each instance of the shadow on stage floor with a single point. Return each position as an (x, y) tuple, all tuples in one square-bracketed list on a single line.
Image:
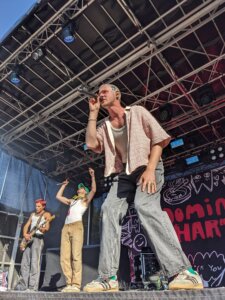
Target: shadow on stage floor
[(205, 294)]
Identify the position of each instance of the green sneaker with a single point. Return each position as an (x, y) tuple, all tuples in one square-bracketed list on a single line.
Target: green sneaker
[(102, 285), (186, 280)]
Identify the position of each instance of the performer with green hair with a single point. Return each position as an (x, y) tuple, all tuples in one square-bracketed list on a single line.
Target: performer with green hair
[(72, 233)]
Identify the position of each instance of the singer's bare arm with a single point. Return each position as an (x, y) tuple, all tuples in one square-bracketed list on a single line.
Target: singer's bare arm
[(59, 195), (91, 133), (93, 186)]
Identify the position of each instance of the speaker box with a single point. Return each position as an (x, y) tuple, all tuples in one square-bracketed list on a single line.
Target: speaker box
[(54, 278)]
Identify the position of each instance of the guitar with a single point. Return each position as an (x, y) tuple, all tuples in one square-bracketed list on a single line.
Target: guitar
[(24, 243)]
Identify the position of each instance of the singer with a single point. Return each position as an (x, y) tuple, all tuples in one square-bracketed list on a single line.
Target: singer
[(72, 233), (133, 142)]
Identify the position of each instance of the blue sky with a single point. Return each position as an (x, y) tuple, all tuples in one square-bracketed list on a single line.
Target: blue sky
[(10, 13)]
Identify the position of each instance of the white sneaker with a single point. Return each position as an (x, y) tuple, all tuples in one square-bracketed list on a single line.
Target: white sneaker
[(186, 280), (102, 285), (70, 289)]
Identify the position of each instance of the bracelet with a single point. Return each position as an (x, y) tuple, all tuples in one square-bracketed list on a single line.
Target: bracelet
[(92, 119)]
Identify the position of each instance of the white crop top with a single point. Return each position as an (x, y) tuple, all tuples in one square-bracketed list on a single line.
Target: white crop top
[(76, 211)]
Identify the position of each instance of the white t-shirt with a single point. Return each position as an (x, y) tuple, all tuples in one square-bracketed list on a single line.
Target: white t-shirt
[(120, 137)]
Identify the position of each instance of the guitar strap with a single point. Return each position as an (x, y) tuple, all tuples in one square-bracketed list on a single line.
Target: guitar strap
[(39, 219)]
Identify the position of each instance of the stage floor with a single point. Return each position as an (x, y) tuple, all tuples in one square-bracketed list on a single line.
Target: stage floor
[(206, 294)]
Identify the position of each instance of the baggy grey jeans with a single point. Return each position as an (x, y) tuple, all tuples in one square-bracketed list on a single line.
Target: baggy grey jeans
[(159, 230), (30, 264)]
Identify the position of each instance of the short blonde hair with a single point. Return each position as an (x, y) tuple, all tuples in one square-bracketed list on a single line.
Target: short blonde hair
[(114, 88)]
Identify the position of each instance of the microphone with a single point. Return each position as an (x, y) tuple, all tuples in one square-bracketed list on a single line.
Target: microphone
[(87, 93), (84, 91), (61, 183)]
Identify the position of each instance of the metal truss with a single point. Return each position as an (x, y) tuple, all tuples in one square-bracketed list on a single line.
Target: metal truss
[(47, 114), (70, 10), (160, 40)]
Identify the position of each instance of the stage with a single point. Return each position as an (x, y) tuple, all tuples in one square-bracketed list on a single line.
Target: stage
[(205, 294)]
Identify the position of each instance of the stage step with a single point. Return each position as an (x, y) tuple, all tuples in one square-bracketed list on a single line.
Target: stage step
[(205, 294)]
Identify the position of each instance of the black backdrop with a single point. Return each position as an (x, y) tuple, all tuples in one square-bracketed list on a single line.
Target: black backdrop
[(196, 206)]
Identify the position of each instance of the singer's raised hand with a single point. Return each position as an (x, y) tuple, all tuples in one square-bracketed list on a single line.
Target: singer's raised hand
[(94, 104), (65, 182), (91, 172)]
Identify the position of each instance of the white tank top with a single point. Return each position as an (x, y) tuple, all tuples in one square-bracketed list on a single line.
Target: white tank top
[(75, 212), (34, 220)]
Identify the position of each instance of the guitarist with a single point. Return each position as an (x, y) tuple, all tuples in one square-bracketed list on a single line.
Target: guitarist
[(30, 264)]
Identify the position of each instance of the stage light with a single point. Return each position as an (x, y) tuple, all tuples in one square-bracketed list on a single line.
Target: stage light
[(68, 33), (205, 95), (38, 54), (217, 152), (221, 155), (176, 143), (15, 78), (213, 154), (192, 160), (165, 112), (213, 157)]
